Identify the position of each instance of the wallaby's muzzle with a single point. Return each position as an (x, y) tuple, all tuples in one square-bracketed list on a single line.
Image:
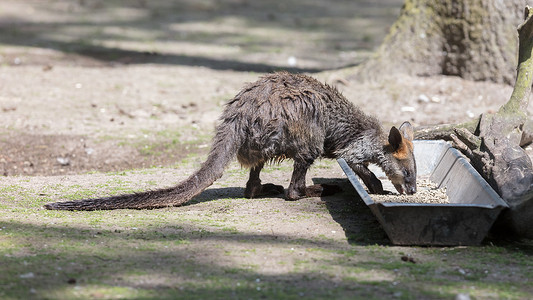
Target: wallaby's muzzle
[(410, 189), (406, 188)]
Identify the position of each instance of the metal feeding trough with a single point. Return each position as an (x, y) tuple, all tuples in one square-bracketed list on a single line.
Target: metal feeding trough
[(472, 209)]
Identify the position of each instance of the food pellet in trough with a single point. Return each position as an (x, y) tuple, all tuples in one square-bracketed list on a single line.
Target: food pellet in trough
[(427, 192)]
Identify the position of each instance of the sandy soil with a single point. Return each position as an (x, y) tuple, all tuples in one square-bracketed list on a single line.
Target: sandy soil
[(88, 87), (83, 92)]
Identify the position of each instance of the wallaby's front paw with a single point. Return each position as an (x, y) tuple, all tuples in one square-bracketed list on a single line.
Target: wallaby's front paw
[(375, 187)]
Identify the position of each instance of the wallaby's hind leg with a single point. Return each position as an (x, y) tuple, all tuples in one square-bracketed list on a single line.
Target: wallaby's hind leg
[(297, 188), (255, 189)]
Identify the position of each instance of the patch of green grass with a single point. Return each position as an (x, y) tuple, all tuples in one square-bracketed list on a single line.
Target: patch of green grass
[(150, 261), (231, 230), (79, 194), (202, 251)]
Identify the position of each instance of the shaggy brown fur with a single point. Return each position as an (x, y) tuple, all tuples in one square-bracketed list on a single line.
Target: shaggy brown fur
[(285, 116)]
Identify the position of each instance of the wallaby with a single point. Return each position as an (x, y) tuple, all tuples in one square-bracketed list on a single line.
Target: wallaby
[(285, 116)]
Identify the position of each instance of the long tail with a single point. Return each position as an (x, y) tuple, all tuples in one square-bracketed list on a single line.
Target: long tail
[(222, 152)]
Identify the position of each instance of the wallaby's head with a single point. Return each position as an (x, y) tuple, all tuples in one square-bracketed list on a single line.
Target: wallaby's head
[(402, 171)]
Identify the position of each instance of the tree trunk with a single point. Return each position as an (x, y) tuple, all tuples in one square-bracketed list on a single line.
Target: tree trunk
[(474, 39)]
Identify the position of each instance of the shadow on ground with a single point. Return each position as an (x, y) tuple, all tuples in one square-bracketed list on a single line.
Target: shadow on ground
[(346, 208), (173, 260), (157, 32), (349, 210)]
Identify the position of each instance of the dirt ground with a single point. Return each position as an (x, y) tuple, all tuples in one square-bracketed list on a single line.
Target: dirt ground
[(84, 86), (88, 87)]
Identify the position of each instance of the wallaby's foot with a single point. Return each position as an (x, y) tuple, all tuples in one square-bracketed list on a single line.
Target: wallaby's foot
[(255, 189), (322, 190), (315, 190), (294, 193), (261, 190)]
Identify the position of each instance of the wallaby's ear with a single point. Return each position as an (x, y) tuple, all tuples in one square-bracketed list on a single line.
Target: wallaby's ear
[(407, 131), (395, 138)]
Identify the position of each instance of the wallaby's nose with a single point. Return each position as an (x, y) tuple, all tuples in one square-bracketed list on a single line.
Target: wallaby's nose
[(410, 189)]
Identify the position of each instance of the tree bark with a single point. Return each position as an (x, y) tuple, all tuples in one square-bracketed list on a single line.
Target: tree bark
[(473, 39)]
